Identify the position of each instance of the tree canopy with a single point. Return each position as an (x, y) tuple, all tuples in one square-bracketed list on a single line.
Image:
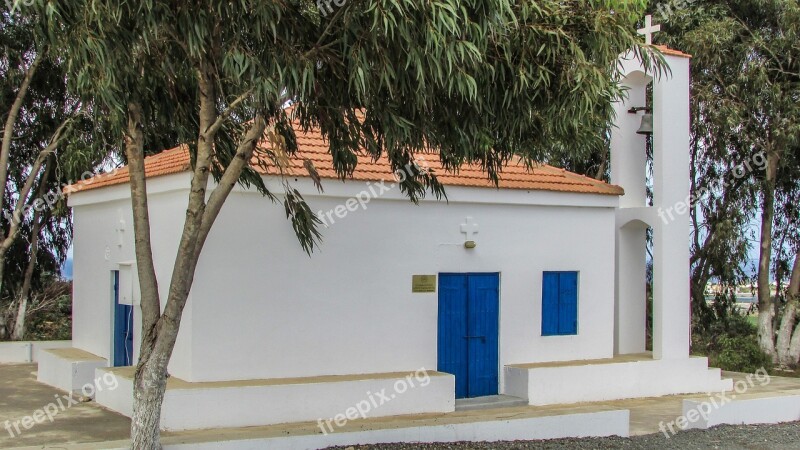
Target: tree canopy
[(417, 71)]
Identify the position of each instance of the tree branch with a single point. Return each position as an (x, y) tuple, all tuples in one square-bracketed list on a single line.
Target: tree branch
[(8, 130), (214, 128), (183, 269), (229, 179), (16, 219), (148, 283)]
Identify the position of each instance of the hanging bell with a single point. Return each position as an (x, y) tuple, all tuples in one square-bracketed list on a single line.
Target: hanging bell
[(646, 128)]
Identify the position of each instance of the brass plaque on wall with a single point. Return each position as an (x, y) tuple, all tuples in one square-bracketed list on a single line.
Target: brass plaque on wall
[(423, 284)]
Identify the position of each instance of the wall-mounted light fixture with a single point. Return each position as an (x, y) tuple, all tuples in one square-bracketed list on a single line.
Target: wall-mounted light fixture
[(646, 128), (470, 244)]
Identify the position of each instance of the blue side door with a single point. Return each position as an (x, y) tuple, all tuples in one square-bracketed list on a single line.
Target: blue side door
[(468, 332), (123, 328)]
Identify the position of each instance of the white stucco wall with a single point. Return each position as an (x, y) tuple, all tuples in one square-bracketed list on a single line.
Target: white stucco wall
[(263, 308), (97, 252)]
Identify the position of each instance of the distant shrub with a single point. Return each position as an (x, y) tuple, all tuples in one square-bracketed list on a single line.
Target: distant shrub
[(52, 319), (730, 343), (739, 354)]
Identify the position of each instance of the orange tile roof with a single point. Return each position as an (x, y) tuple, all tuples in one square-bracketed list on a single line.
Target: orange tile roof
[(167, 162), (313, 147), (668, 51)]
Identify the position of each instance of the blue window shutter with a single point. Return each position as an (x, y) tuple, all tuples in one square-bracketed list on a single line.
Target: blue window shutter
[(568, 303), (550, 300)]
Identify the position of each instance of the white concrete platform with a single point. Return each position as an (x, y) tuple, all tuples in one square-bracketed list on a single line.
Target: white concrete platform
[(594, 424), (757, 398), (21, 352), (247, 403), (503, 424), (704, 414), (621, 377), (68, 369)]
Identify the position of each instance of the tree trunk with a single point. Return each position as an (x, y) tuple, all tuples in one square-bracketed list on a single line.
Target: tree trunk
[(700, 274), (150, 378), (160, 330), (4, 316), (601, 169), (789, 331), (150, 383), (789, 319), (21, 320), (766, 307), (38, 221), (156, 349), (8, 135), (3, 325), (149, 386), (785, 333), (22, 309)]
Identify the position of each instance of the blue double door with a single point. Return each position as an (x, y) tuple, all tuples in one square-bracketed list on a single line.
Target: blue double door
[(469, 305), (123, 327)]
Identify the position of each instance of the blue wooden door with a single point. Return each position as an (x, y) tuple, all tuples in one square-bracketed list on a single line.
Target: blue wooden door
[(452, 344), (468, 332), (123, 328)]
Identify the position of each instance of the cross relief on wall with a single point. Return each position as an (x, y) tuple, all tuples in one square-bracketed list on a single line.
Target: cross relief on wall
[(469, 228)]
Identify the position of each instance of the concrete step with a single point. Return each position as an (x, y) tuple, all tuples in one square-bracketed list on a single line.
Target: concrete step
[(490, 402)]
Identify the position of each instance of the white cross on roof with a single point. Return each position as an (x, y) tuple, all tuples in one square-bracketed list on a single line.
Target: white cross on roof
[(649, 29)]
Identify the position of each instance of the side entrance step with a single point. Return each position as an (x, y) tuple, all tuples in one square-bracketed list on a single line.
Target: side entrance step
[(489, 402)]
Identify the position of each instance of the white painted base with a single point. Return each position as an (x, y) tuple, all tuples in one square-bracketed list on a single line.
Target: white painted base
[(27, 351), (596, 424), (708, 414), (613, 381), (65, 373), (204, 405)]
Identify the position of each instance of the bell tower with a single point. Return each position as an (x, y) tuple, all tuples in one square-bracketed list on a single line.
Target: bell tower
[(668, 217)]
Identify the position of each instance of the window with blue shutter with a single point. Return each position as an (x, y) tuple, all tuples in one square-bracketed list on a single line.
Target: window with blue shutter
[(559, 303)]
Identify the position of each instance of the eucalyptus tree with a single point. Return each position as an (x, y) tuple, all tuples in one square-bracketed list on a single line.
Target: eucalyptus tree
[(746, 133), (39, 124), (477, 81)]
